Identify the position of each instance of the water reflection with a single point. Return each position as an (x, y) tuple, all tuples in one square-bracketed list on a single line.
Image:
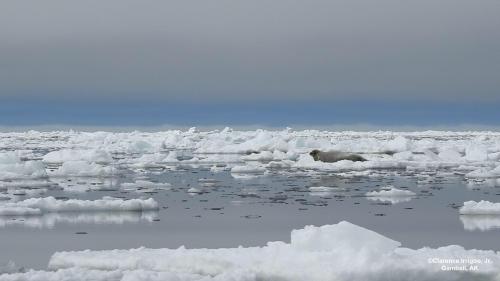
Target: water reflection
[(50, 220), (480, 222)]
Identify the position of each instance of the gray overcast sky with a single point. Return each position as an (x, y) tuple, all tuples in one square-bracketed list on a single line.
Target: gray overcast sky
[(251, 50)]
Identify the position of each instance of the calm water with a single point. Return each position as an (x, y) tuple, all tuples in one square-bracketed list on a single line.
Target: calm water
[(251, 211)]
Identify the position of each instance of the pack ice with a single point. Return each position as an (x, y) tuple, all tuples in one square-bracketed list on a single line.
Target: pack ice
[(33, 154)]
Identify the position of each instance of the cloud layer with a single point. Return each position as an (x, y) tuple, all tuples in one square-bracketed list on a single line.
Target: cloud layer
[(250, 50)]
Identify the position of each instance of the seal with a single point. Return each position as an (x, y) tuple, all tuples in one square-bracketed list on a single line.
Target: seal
[(334, 156)]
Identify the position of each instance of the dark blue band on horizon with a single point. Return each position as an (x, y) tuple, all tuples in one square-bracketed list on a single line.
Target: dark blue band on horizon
[(38, 112)]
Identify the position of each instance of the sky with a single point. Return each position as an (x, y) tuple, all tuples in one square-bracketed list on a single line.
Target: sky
[(123, 62)]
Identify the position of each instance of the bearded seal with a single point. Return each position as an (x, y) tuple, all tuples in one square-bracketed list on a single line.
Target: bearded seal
[(334, 156)]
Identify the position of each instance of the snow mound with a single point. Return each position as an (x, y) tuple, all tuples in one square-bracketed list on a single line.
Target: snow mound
[(342, 238), (338, 252), (480, 208), (36, 206)]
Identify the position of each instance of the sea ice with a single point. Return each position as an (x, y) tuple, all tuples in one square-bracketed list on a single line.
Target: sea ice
[(390, 191), (478, 152), (82, 169), (89, 155), (12, 167), (480, 208), (248, 169), (342, 252), (34, 206)]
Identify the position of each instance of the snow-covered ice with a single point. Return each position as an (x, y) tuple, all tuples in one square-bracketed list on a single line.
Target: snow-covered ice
[(58, 162), (87, 153), (482, 207), (36, 206), (82, 168), (12, 167), (343, 251), (391, 191)]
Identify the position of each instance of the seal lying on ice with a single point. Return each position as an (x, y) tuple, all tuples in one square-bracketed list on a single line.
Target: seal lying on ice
[(334, 156)]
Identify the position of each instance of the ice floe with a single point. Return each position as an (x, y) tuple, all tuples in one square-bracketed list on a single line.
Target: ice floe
[(248, 169), (391, 194), (36, 206), (82, 169), (485, 173), (89, 155), (343, 251), (12, 167), (482, 207), (391, 191), (144, 186), (50, 220)]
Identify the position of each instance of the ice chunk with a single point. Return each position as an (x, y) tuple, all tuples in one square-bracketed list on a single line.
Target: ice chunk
[(146, 186), (321, 189), (22, 170), (484, 173), (475, 153), (343, 239), (34, 206), (194, 190), (263, 156), (450, 155), (390, 199), (140, 146), (90, 155), (12, 210), (341, 252), (9, 158), (82, 169), (399, 143), (248, 169), (390, 191), (480, 208)]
